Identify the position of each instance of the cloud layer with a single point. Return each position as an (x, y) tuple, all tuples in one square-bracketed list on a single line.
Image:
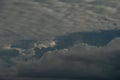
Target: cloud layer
[(78, 62), (35, 19), (30, 25)]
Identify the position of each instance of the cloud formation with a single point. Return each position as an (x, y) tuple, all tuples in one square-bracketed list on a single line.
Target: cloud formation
[(78, 62), (27, 24), (35, 19)]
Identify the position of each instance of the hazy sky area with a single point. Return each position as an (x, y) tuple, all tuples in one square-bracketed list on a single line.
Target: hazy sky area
[(59, 39)]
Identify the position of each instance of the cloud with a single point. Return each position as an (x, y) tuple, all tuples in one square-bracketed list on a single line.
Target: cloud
[(42, 20), (31, 19), (80, 62)]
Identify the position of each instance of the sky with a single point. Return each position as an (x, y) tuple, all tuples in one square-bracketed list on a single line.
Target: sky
[(59, 39)]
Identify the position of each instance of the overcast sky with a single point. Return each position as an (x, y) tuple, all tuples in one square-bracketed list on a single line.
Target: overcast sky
[(33, 31)]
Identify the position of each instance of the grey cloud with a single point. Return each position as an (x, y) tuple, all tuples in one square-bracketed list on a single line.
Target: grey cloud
[(29, 19), (80, 62), (43, 20)]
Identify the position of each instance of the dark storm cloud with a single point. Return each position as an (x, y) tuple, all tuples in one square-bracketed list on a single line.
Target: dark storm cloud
[(79, 62)]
